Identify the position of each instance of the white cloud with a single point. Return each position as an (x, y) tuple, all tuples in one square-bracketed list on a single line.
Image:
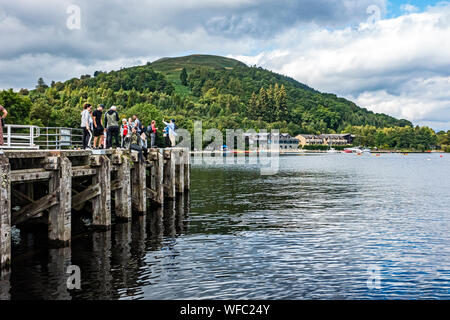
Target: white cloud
[(398, 66), (409, 8), (387, 66)]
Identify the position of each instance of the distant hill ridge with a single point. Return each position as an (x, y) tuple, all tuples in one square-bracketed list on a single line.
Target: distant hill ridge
[(222, 92)]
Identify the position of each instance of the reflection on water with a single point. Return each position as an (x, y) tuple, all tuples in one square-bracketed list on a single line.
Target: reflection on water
[(311, 231), (114, 264)]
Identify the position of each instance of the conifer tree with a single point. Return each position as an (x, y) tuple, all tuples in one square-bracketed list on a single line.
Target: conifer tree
[(183, 77), (282, 111)]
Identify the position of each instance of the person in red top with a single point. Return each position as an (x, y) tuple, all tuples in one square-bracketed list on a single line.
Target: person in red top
[(124, 130), (152, 130), (3, 114)]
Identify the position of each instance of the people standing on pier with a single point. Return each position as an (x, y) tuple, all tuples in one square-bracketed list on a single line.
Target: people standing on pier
[(3, 115), (112, 127), (85, 125), (171, 131), (98, 127), (152, 129)]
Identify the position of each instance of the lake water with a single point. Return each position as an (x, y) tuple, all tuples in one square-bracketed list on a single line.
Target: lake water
[(330, 226)]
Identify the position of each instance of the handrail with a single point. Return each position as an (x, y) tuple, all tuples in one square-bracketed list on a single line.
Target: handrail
[(28, 137)]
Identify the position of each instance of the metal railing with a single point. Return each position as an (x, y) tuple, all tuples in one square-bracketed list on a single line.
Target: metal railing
[(59, 138), (24, 137)]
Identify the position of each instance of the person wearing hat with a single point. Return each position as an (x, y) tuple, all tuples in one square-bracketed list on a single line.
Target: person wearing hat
[(112, 128), (98, 126)]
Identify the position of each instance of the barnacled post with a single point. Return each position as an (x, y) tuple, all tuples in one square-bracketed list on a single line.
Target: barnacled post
[(5, 213)]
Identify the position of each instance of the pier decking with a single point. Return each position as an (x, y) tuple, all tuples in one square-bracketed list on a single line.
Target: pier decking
[(47, 187)]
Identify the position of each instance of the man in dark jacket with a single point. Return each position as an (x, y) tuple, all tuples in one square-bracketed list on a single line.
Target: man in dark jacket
[(112, 127)]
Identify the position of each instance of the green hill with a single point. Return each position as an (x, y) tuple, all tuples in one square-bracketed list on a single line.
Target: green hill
[(224, 93), (170, 65)]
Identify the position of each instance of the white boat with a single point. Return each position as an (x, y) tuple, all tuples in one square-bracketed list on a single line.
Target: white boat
[(332, 150)]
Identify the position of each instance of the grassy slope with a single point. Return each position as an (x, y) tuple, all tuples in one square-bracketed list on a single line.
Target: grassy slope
[(171, 67)]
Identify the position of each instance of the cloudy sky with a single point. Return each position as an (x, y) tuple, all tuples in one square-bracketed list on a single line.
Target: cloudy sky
[(390, 56)]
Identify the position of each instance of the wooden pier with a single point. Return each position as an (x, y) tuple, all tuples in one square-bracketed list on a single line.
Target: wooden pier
[(48, 187)]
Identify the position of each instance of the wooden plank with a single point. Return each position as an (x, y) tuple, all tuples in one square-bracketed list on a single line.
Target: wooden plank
[(30, 175), (152, 194), (80, 199), (101, 205), (5, 213), (83, 171), (29, 154), (21, 197), (31, 210), (59, 217), (122, 193)]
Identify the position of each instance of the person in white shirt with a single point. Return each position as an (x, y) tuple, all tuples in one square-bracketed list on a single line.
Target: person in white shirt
[(86, 121), (172, 131)]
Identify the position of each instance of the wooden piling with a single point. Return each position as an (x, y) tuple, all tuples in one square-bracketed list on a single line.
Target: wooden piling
[(101, 205), (179, 170), (156, 191), (122, 194), (75, 179), (187, 170), (5, 285), (169, 174), (5, 213), (59, 217), (139, 187)]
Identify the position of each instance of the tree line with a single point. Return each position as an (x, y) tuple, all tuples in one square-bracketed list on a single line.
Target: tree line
[(238, 98)]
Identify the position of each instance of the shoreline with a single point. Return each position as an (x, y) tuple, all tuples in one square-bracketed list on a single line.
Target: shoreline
[(300, 151)]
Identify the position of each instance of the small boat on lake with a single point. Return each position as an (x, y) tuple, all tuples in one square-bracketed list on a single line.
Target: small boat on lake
[(353, 150), (357, 150)]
